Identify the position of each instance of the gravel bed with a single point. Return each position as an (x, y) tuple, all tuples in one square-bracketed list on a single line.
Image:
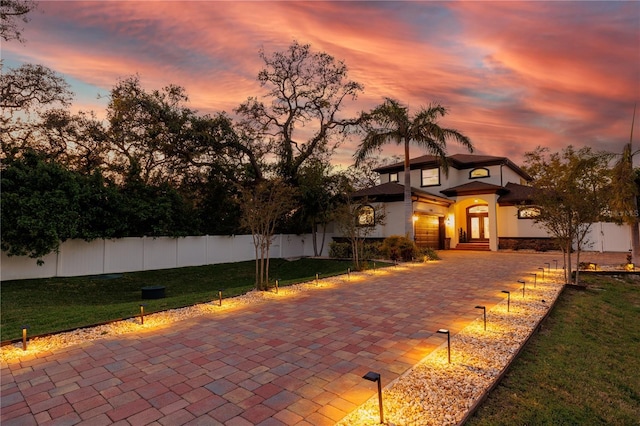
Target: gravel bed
[(435, 392)]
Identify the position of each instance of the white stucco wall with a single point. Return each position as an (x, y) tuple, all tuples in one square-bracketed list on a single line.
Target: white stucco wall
[(510, 226)]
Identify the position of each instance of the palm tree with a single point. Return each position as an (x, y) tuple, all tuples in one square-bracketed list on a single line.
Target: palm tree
[(390, 122)]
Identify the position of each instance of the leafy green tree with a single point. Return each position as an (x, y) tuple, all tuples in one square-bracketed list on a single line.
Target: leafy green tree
[(572, 194), (40, 206), (321, 191), (306, 92), (390, 122)]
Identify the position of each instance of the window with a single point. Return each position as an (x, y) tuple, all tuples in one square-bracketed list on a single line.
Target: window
[(393, 177), (366, 216), (478, 173), (430, 177), (528, 212)]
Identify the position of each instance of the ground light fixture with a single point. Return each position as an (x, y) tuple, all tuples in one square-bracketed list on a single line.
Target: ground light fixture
[(556, 262), (24, 337), (142, 314), (484, 312), (445, 331), (349, 273), (317, 276), (375, 377), (508, 293), (219, 297), (548, 267), (277, 285), (523, 286), (535, 278), (542, 269)]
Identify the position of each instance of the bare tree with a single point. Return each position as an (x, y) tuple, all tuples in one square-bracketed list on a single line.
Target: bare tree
[(306, 91), (12, 12), (262, 207)]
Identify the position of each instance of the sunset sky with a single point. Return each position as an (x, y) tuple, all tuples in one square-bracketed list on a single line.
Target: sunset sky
[(515, 75)]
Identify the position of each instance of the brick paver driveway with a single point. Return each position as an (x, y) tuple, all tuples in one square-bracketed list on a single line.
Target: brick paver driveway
[(292, 361)]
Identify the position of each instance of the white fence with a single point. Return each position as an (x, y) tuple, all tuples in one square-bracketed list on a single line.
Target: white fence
[(77, 257)]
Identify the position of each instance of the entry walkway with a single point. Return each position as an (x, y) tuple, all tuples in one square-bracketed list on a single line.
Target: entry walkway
[(298, 360)]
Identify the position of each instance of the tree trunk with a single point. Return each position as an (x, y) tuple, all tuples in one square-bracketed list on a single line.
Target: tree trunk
[(635, 241), (408, 204), (314, 238)]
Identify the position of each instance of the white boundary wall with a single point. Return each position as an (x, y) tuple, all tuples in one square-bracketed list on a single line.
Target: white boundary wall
[(77, 257)]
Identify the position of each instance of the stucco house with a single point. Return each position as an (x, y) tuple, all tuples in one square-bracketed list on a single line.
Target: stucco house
[(484, 203)]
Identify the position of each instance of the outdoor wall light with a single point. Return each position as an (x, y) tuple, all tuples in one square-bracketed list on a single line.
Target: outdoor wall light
[(219, 297), (523, 285), (542, 269), (375, 377), (142, 314), (484, 311), (508, 293), (445, 331), (24, 337)]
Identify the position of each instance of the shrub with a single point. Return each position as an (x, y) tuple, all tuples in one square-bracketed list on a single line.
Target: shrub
[(340, 250), (428, 253), (397, 248)]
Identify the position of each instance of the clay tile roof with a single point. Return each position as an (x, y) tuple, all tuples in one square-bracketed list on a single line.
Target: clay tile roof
[(392, 191), (474, 188), (518, 194)]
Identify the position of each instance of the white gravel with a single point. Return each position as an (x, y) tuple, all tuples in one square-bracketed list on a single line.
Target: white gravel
[(435, 392)]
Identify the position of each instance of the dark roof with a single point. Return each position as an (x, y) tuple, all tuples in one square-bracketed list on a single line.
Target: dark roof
[(457, 161), (474, 188), (518, 194), (392, 191)]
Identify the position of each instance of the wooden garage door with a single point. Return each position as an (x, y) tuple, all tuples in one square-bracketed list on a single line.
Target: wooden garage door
[(427, 231)]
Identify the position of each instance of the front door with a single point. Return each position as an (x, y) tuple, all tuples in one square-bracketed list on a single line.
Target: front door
[(478, 223)]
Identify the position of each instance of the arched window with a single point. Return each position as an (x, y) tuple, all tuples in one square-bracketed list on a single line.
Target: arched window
[(366, 216), (478, 173)]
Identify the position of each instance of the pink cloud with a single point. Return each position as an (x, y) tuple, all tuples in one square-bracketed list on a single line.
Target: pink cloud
[(514, 74)]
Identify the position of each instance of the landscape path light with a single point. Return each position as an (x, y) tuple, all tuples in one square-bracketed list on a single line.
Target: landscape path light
[(548, 267), (508, 293), (523, 285), (484, 311), (24, 337), (445, 331), (542, 269), (375, 377), (317, 275), (278, 279), (142, 314), (535, 278), (556, 262), (219, 297), (349, 273)]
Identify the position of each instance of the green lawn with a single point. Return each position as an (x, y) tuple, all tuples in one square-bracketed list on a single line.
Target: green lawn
[(55, 304), (582, 369)]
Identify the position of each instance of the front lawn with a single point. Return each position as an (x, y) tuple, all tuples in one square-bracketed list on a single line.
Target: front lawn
[(583, 368)]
